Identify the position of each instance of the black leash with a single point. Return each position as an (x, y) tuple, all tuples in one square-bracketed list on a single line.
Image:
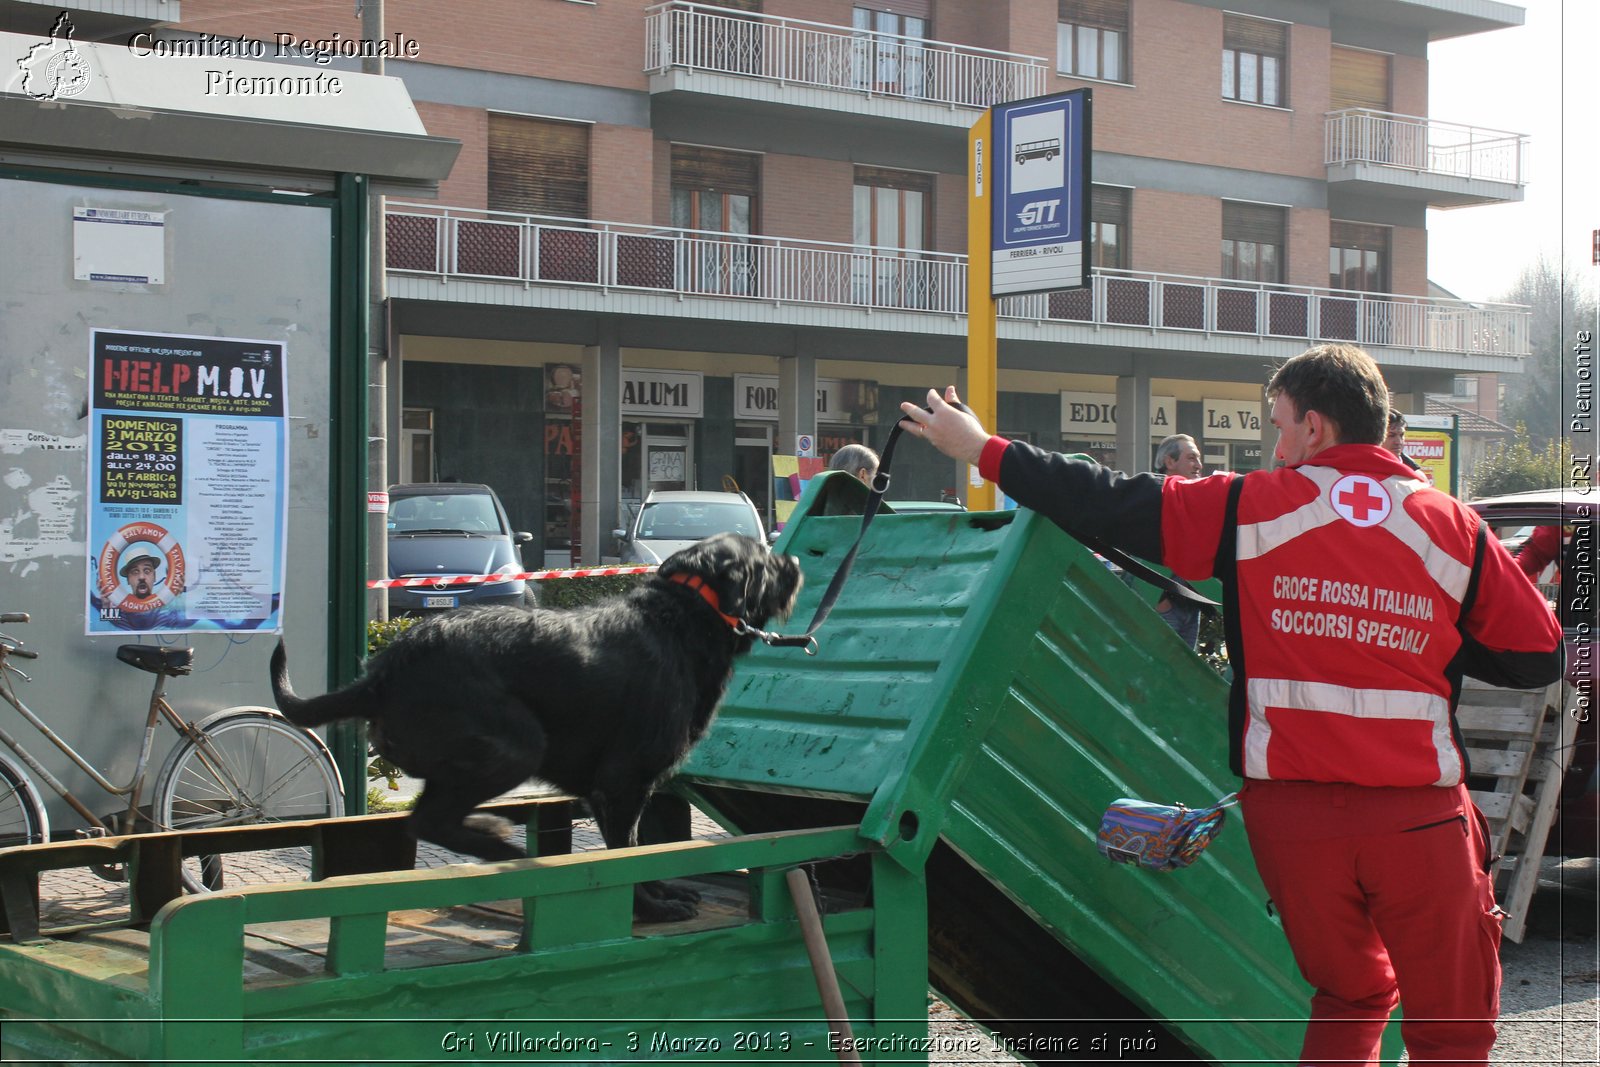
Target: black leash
[(880, 486)]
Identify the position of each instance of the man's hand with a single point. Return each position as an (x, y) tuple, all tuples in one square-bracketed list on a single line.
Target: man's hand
[(949, 429)]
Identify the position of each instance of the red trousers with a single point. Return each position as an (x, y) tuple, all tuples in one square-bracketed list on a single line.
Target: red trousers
[(1384, 898)]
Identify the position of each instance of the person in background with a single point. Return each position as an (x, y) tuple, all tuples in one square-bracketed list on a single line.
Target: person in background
[(1357, 596), (858, 460), (1394, 439), (1179, 457)]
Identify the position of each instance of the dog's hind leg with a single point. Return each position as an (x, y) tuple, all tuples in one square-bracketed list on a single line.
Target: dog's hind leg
[(617, 804), (444, 816)]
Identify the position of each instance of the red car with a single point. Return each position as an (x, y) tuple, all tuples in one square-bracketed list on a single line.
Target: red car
[(1569, 581)]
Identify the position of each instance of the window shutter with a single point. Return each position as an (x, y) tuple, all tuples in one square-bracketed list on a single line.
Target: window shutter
[(1252, 222), (895, 179), (1360, 79), (1103, 14), (1358, 235), (538, 166), (916, 9), (694, 167), (1260, 36), (1109, 204)]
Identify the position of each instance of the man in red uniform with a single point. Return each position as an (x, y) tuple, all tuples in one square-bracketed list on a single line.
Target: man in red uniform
[(1355, 598)]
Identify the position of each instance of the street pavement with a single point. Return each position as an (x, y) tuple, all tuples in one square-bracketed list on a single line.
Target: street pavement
[(1550, 996)]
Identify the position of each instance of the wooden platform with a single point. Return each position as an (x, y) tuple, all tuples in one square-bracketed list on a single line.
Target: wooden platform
[(540, 952), (1519, 743)]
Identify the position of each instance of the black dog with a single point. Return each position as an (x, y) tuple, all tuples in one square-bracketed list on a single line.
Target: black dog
[(601, 702)]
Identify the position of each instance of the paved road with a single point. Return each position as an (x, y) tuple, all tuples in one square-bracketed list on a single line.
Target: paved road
[(1550, 1003)]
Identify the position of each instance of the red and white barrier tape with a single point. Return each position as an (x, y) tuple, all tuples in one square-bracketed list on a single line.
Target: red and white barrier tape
[(474, 579)]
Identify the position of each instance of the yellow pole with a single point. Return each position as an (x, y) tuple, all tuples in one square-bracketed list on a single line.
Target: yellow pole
[(982, 389)]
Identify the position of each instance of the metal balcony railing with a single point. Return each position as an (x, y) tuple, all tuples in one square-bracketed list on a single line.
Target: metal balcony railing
[(796, 52), (1406, 142), (532, 249)]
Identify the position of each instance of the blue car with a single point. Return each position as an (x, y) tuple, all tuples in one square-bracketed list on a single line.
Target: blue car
[(445, 529)]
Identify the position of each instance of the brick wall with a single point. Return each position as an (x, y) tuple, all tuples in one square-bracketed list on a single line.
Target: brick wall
[(532, 37), (807, 198), (1308, 247), (1409, 253), (1175, 110), (1409, 87), (620, 174), (1176, 233), (468, 183)]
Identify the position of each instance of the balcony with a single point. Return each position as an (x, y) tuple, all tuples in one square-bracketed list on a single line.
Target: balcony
[(692, 48), (1440, 163), (492, 257)]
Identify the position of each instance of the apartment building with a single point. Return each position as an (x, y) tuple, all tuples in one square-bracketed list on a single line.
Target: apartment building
[(681, 235)]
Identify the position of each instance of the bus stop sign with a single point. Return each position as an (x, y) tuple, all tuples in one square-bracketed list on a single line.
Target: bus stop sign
[(1040, 234)]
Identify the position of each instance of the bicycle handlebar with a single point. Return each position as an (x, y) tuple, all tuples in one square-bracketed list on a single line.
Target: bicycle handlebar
[(22, 653), (14, 616)]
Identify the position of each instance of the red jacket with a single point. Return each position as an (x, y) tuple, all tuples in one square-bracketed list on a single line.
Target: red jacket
[(1355, 598)]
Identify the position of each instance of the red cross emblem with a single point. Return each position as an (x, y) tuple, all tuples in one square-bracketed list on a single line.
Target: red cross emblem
[(1360, 500)]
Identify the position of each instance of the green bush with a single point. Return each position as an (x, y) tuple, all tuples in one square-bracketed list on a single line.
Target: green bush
[(379, 634), (1517, 468), (561, 593)]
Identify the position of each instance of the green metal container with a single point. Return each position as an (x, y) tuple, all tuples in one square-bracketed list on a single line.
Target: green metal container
[(983, 689)]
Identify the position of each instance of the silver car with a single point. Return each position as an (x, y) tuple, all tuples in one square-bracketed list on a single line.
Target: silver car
[(674, 519)]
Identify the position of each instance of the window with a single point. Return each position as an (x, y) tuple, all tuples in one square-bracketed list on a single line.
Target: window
[(416, 445), (538, 166), (1108, 227), (890, 56), (716, 190), (1254, 60), (1252, 242), (893, 211), (1092, 39), (713, 189), (1358, 257)]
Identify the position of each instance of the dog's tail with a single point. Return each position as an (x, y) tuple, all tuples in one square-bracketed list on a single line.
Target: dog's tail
[(349, 703)]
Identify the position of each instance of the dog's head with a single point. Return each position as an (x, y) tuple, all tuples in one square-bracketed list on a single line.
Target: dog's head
[(752, 583)]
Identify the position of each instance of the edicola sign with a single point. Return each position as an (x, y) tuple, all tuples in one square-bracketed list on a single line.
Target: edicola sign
[(1040, 233)]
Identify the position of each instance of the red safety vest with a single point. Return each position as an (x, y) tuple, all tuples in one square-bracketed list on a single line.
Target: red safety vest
[(1351, 574)]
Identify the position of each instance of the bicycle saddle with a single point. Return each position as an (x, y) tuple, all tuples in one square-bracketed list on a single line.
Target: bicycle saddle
[(173, 661)]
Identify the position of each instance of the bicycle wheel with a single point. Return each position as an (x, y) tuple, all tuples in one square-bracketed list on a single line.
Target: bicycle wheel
[(252, 766), (23, 820)]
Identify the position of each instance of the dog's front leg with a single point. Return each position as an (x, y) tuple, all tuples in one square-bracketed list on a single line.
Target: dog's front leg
[(617, 812)]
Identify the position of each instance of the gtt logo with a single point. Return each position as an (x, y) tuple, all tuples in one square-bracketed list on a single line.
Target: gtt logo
[(1038, 211)]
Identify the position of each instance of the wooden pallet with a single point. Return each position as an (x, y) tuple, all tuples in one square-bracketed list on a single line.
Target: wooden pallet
[(1519, 742)]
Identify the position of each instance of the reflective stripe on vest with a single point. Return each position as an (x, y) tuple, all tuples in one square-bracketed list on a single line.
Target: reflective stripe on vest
[(1255, 540), (1263, 693), (1259, 538)]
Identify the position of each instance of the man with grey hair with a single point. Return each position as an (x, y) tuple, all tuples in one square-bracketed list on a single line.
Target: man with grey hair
[(858, 460), (1179, 457)]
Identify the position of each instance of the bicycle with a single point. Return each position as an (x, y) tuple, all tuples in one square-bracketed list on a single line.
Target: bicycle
[(238, 766)]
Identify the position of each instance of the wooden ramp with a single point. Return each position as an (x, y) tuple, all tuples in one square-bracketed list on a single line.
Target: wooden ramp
[(1519, 742)]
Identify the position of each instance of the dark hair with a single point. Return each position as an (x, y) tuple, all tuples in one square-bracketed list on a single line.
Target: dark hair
[(1342, 384), (852, 458), (1397, 418)]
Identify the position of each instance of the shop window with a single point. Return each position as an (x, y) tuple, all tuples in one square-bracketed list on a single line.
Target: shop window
[(416, 445)]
